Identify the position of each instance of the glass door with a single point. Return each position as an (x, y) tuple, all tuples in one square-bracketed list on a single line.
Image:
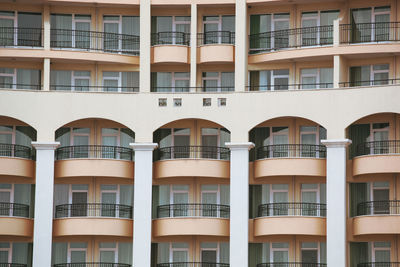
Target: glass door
[(380, 198), (279, 197), (280, 140), (181, 143), (280, 37), (380, 137), (209, 253), (5, 252), (109, 199), (81, 37), (280, 253), (179, 253), (209, 141), (180, 199), (211, 26), (309, 253), (108, 253), (110, 140), (79, 201), (77, 252), (209, 199), (382, 24), (7, 137), (80, 141), (310, 198), (7, 23), (112, 26), (381, 253), (5, 198)]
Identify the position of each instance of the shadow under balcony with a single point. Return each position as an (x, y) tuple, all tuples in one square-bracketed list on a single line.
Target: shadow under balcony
[(296, 218), (17, 160), (192, 264), (377, 217), (15, 220), (192, 219), (92, 264), (94, 160), (290, 159), (93, 219), (377, 157), (189, 161)]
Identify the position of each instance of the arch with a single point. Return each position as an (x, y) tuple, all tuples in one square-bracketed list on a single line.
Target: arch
[(347, 125), (188, 119), (285, 117), (15, 120)]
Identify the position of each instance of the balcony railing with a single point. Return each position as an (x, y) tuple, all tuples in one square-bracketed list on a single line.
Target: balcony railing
[(170, 38), (94, 210), (382, 207), (370, 32), (279, 87), (379, 264), (94, 151), (192, 264), (16, 151), (290, 38), (291, 264), (20, 86), (89, 88), (193, 210), (13, 210), (95, 41), (192, 152), (378, 148), (292, 209), (13, 36), (4, 264), (216, 37), (91, 264), (291, 151), (170, 89), (370, 83)]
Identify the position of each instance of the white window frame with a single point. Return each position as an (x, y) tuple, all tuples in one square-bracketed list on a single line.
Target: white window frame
[(218, 194), (218, 79), (70, 250), (12, 133), (115, 250), (117, 196), (272, 191), (119, 22), (172, 249), (74, 21), (217, 250), (218, 134), (71, 191), (373, 72), (272, 250), (174, 23), (273, 76), (11, 199), (373, 131), (373, 15), (73, 78), (171, 199), (272, 134), (72, 135), (273, 21), (374, 250), (13, 75), (174, 79), (316, 76), (318, 249), (9, 250), (119, 79), (15, 19), (117, 135), (218, 22), (173, 134), (318, 194)]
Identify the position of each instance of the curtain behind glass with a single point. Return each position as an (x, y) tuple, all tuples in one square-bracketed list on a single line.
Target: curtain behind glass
[(20, 253), (28, 79), (7, 34), (358, 133), (29, 29), (60, 79), (59, 252), (25, 135), (225, 194), (22, 195), (163, 252), (125, 253), (224, 252), (63, 136), (125, 198), (255, 254), (130, 27), (358, 194), (254, 200), (61, 197), (358, 253), (360, 33), (227, 81), (61, 30)]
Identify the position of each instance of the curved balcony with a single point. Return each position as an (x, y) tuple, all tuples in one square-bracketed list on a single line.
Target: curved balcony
[(377, 157), (187, 161), (170, 47), (14, 210), (290, 219), (192, 219), (290, 159), (192, 264), (216, 47), (90, 88), (14, 220), (91, 264), (291, 264), (94, 160), (93, 219), (370, 32), (21, 37), (5, 264), (17, 160), (379, 264), (170, 38)]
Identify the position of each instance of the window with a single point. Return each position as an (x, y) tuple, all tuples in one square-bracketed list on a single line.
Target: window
[(173, 142), (313, 252), (128, 26), (70, 31), (114, 138), (219, 29), (319, 27), (170, 30), (170, 81), (206, 102), (112, 195), (19, 135), (276, 195), (211, 140), (214, 252), (279, 252), (70, 80), (316, 78), (20, 79), (218, 81), (177, 102), (178, 197), (222, 102), (369, 75), (380, 197), (5, 252), (269, 80), (115, 252), (213, 195), (162, 102), (172, 252), (120, 81), (310, 137), (77, 252), (311, 196), (79, 138), (19, 194), (380, 251)]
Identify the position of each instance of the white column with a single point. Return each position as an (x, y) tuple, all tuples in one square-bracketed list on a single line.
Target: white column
[(239, 203), (43, 224), (241, 45), (336, 201), (193, 47), (142, 203), (46, 74), (145, 45)]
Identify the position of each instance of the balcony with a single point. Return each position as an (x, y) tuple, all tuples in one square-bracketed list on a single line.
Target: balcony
[(281, 87), (14, 210), (14, 220), (94, 160), (16, 160), (21, 37), (290, 219), (379, 264), (170, 47), (186, 161), (377, 157), (370, 83), (93, 219), (192, 264), (20, 86), (216, 47), (370, 32), (290, 159), (91, 264), (193, 210), (291, 264), (3, 264), (88, 88)]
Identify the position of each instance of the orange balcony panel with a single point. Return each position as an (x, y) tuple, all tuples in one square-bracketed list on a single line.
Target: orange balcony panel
[(289, 166), (376, 164), (192, 167), (17, 167), (94, 167), (97, 2), (217, 53), (298, 225), (376, 225), (93, 226), (170, 54), (13, 226), (190, 226)]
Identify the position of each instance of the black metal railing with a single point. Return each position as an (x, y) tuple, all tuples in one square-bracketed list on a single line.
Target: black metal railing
[(94, 210), (379, 264), (91, 264), (14, 36), (370, 83), (378, 148), (16, 151), (291, 264), (193, 210), (94, 151), (291, 38), (192, 264), (89, 88), (216, 37), (383, 207), (170, 89), (292, 209), (206, 89), (20, 86), (192, 152), (291, 151), (369, 32), (279, 87), (14, 210), (95, 41), (170, 38), (4, 264)]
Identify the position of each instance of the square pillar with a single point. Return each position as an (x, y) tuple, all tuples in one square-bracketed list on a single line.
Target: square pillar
[(240, 45), (43, 226), (145, 46), (193, 47)]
